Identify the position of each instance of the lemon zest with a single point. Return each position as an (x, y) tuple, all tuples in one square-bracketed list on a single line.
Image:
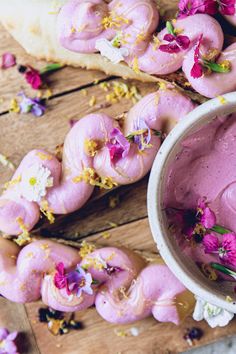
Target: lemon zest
[(85, 249), (46, 211), (24, 237), (90, 147)]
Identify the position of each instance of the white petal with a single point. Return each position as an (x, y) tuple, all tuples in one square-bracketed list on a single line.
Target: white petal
[(115, 55)]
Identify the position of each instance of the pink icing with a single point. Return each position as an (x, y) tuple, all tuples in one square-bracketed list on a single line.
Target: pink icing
[(140, 21), (27, 274), (159, 109), (208, 156)]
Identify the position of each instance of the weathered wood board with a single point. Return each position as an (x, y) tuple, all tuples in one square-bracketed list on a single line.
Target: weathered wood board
[(21, 133)]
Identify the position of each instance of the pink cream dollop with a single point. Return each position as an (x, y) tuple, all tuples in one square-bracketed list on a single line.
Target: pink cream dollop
[(205, 167)]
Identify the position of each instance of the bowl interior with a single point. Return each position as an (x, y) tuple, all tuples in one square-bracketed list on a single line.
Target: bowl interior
[(182, 266)]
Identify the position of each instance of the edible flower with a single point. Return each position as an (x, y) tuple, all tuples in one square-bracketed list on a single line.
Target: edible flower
[(201, 63), (34, 182), (176, 43), (227, 7), (213, 315), (111, 52), (34, 77), (142, 134), (118, 145), (195, 222), (32, 105), (76, 281), (8, 60), (7, 344), (225, 248), (191, 7)]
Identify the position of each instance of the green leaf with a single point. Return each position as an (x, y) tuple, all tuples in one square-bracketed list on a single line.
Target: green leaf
[(220, 230), (218, 68), (51, 67), (223, 269), (170, 28)]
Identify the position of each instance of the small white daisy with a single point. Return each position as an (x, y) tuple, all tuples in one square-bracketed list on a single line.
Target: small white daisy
[(34, 183), (213, 315), (106, 48)]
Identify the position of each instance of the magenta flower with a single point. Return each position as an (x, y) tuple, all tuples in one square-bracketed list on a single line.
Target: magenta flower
[(8, 60), (176, 43), (226, 249), (207, 216), (60, 279), (80, 281), (33, 78), (7, 345), (191, 7), (197, 69), (227, 7), (75, 281), (118, 145)]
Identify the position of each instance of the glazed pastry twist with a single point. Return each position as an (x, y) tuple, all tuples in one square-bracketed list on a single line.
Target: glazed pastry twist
[(132, 24), (124, 289), (95, 152)]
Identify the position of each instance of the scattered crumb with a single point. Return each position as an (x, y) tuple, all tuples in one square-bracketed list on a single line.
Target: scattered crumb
[(114, 201), (106, 235), (92, 101), (112, 224), (134, 331), (84, 92), (6, 162), (222, 100)]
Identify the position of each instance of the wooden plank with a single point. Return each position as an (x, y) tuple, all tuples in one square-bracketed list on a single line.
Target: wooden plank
[(14, 318), (12, 82), (154, 337)]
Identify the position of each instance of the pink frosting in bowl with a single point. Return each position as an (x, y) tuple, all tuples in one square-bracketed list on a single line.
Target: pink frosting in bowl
[(196, 161)]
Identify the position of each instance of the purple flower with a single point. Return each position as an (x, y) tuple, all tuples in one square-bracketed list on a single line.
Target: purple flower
[(176, 43), (191, 7), (227, 7), (80, 281), (207, 216), (8, 60), (31, 105), (197, 69), (118, 145), (226, 248), (7, 345), (142, 134)]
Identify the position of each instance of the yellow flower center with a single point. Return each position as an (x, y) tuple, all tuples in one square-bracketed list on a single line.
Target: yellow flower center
[(33, 181)]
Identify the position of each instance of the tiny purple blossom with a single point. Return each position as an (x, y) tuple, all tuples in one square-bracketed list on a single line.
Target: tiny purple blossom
[(144, 138), (226, 248), (31, 105), (7, 345), (80, 281), (175, 43), (118, 145)]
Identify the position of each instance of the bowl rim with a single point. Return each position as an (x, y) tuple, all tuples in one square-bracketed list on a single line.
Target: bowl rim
[(221, 105)]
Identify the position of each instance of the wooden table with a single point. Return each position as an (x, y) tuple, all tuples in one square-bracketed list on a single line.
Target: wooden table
[(21, 133)]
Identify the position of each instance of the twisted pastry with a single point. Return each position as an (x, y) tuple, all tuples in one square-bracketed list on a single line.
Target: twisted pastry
[(123, 30), (134, 22), (95, 146), (123, 290)]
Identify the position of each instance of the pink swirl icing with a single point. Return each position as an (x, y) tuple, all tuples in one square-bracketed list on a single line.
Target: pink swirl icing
[(136, 22), (130, 294), (66, 194)]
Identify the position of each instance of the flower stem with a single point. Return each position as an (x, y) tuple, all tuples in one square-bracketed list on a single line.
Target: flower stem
[(220, 230), (170, 28), (218, 68), (223, 269), (51, 67)]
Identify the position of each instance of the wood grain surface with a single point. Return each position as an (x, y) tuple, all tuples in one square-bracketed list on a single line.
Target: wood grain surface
[(126, 223)]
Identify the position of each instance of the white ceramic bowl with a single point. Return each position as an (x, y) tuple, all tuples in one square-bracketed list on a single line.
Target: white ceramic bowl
[(185, 269)]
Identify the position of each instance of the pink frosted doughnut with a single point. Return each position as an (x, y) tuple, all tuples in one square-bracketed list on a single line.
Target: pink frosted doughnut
[(134, 23), (65, 187), (126, 290)]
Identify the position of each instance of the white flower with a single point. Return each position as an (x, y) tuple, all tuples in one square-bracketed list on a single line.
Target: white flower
[(34, 182), (213, 315), (106, 48)]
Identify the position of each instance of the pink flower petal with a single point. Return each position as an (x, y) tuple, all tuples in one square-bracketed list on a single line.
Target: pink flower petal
[(8, 60), (229, 244), (183, 41), (196, 71), (227, 7), (208, 219), (210, 243)]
